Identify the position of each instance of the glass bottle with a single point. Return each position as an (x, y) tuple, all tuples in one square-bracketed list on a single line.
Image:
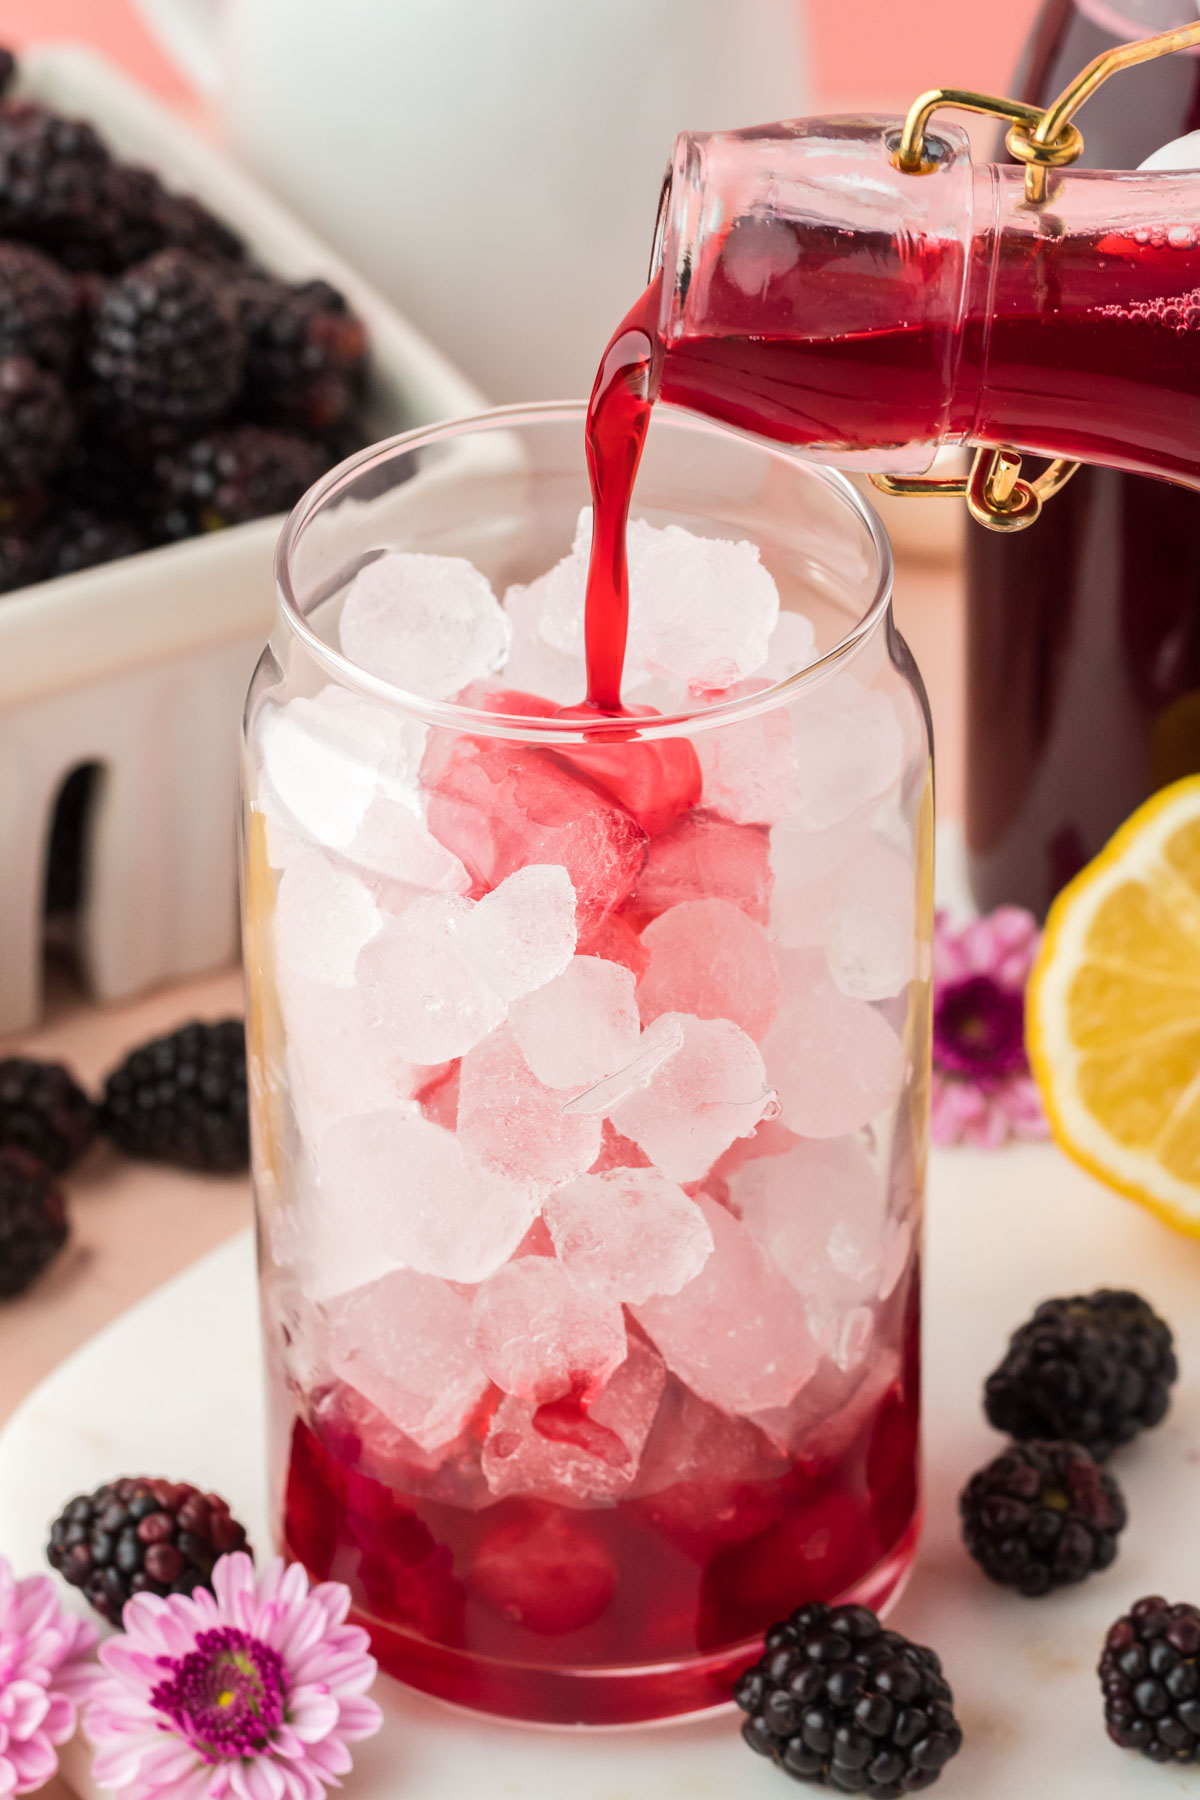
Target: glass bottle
[(811, 291), (1083, 635)]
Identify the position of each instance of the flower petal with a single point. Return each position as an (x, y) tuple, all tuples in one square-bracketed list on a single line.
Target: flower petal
[(312, 1713), (33, 1762), (260, 1779), (60, 1718), (25, 1706), (233, 1583), (360, 1718), (331, 1757)]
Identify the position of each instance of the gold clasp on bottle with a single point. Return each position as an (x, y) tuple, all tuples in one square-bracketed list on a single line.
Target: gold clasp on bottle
[(996, 492), (1043, 138)]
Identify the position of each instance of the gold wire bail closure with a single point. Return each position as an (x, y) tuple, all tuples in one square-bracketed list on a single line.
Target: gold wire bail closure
[(1043, 139)]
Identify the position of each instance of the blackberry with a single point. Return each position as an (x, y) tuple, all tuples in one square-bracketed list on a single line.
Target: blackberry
[(837, 1700), (141, 1535), (1150, 1677), (52, 175), (100, 475), (89, 287), (81, 538), (36, 422), (44, 1111), (167, 349), (182, 1099), (37, 307), (187, 224), (33, 1220), (146, 218), (132, 198), (306, 360), (1093, 1369), (1042, 1516), (231, 476)]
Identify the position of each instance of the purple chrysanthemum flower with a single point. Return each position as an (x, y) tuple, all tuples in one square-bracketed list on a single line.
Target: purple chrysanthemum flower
[(46, 1670), (251, 1692), (983, 1092)]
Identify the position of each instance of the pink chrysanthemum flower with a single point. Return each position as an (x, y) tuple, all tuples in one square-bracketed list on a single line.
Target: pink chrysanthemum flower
[(46, 1670), (983, 1092), (251, 1692)]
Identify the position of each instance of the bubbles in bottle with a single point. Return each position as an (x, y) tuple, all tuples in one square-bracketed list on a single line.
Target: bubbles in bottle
[(1177, 312)]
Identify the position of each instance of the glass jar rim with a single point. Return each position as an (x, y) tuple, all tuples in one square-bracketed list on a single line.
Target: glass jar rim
[(474, 721)]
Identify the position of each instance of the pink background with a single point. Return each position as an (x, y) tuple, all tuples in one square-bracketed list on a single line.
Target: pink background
[(877, 51), (864, 50)]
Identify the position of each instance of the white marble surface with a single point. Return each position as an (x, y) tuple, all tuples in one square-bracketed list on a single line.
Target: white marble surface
[(174, 1386)]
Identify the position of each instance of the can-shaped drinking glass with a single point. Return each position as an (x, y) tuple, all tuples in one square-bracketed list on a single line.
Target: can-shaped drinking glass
[(588, 1063)]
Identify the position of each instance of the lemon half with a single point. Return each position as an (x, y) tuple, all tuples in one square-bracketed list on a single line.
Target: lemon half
[(1112, 1011)]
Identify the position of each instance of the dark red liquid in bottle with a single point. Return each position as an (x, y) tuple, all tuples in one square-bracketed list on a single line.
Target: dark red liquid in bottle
[(1083, 634), (1084, 345)]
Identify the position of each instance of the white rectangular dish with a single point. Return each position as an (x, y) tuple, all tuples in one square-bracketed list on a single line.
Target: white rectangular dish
[(140, 666)]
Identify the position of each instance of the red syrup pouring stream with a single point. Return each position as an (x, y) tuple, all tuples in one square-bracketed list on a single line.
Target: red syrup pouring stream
[(655, 782), (617, 417)]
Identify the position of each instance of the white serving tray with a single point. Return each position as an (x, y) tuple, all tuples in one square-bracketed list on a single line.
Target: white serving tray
[(142, 665), (174, 1388)]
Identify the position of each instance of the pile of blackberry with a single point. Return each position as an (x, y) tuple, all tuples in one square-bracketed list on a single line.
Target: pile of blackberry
[(154, 383), (837, 1701), (1084, 1375), (179, 1099)]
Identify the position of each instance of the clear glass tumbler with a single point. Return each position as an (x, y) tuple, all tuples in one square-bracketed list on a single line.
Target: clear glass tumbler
[(588, 1075)]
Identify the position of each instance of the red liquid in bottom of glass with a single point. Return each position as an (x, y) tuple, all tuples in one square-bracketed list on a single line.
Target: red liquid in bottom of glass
[(646, 1609)]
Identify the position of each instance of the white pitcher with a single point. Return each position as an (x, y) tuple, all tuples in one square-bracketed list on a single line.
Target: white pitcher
[(487, 163)]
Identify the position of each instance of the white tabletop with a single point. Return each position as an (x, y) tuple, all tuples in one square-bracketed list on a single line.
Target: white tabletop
[(174, 1387)]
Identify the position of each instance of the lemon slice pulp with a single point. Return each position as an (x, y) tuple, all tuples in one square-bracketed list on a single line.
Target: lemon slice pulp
[(1113, 1010)]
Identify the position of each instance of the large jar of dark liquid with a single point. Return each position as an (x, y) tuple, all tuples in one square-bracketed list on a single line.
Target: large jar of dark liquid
[(1083, 634)]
